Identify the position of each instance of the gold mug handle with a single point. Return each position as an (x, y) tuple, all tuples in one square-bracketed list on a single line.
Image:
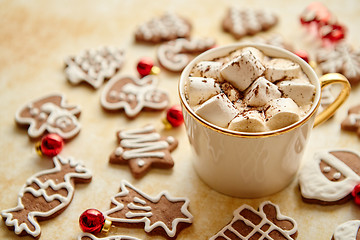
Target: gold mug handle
[(325, 80)]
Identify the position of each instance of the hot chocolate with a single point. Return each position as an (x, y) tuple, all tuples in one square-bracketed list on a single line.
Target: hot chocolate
[(248, 91)]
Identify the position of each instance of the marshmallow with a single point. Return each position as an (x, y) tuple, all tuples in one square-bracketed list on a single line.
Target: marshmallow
[(251, 121), (200, 89), (280, 69), (281, 112), (257, 53), (208, 69), (217, 110), (301, 92), (230, 92), (243, 70), (261, 92)]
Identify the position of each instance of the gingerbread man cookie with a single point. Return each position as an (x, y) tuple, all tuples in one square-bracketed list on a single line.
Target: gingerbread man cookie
[(133, 95), (242, 22), (349, 230), (162, 214), (176, 54), (267, 223), (45, 195), (330, 177), (94, 66), (142, 149), (342, 59), (49, 114), (165, 28), (352, 121)]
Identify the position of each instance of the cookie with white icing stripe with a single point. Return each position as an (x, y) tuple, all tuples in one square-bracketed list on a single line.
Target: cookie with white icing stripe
[(143, 149), (267, 223), (330, 176), (352, 121), (349, 230), (167, 27), (94, 66), (176, 54), (133, 95), (242, 22)]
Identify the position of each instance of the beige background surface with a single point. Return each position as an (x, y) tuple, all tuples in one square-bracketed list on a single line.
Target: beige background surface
[(36, 36)]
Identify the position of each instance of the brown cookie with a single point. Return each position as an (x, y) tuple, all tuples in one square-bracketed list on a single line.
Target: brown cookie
[(267, 223), (276, 40), (45, 195), (49, 114), (176, 54), (94, 66), (143, 149), (330, 177), (165, 28), (163, 214), (342, 59), (133, 95), (352, 121), (349, 230), (243, 22)]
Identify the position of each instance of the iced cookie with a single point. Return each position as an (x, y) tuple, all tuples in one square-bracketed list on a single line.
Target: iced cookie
[(242, 22), (94, 66), (163, 215), (347, 231), (133, 95), (143, 149), (49, 114), (330, 177), (352, 121), (168, 27), (342, 59), (45, 195), (267, 223), (176, 54)]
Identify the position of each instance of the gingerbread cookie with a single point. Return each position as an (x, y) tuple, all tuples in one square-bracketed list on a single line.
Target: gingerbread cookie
[(176, 54), (45, 195), (133, 95), (165, 28), (94, 66), (352, 121), (347, 231), (267, 223), (89, 236), (242, 22), (163, 214), (330, 177), (342, 59), (49, 114), (143, 149), (276, 40)]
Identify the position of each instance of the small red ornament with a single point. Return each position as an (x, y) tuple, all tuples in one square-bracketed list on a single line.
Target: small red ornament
[(174, 117), (146, 67), (356, 194), (50, 145), (91, 221), (333, 33), (316, 13), (302, 54)]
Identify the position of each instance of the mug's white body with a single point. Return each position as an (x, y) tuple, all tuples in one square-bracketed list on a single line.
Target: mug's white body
[(247, 165)]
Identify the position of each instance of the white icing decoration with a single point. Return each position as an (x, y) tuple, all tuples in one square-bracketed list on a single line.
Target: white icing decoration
[(34, 111), (137, 207), (148, 226), (337, 176), (347, 230), (94, 66), (143, 143), (354, 118), (257, 228), (119, 151), (139, 200), (115, 237), (140, 162), (314, 185), (138, 91), (326, 169), (81, 172), (170, 139), (55, 118)]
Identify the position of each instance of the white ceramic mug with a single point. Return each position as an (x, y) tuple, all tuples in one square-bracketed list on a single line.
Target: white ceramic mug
[(251, 165)]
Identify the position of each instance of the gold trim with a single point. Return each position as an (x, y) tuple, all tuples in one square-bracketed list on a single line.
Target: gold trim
[(325, 80), (106, 227)]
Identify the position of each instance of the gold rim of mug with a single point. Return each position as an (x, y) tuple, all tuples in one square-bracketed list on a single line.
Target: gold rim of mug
[(248, 134)]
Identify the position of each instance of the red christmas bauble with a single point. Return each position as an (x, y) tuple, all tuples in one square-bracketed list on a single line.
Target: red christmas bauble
[(356, 194), (51, 145), (302, 54), (144, 66), (91, 221), (333, 33), (174, 116)]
